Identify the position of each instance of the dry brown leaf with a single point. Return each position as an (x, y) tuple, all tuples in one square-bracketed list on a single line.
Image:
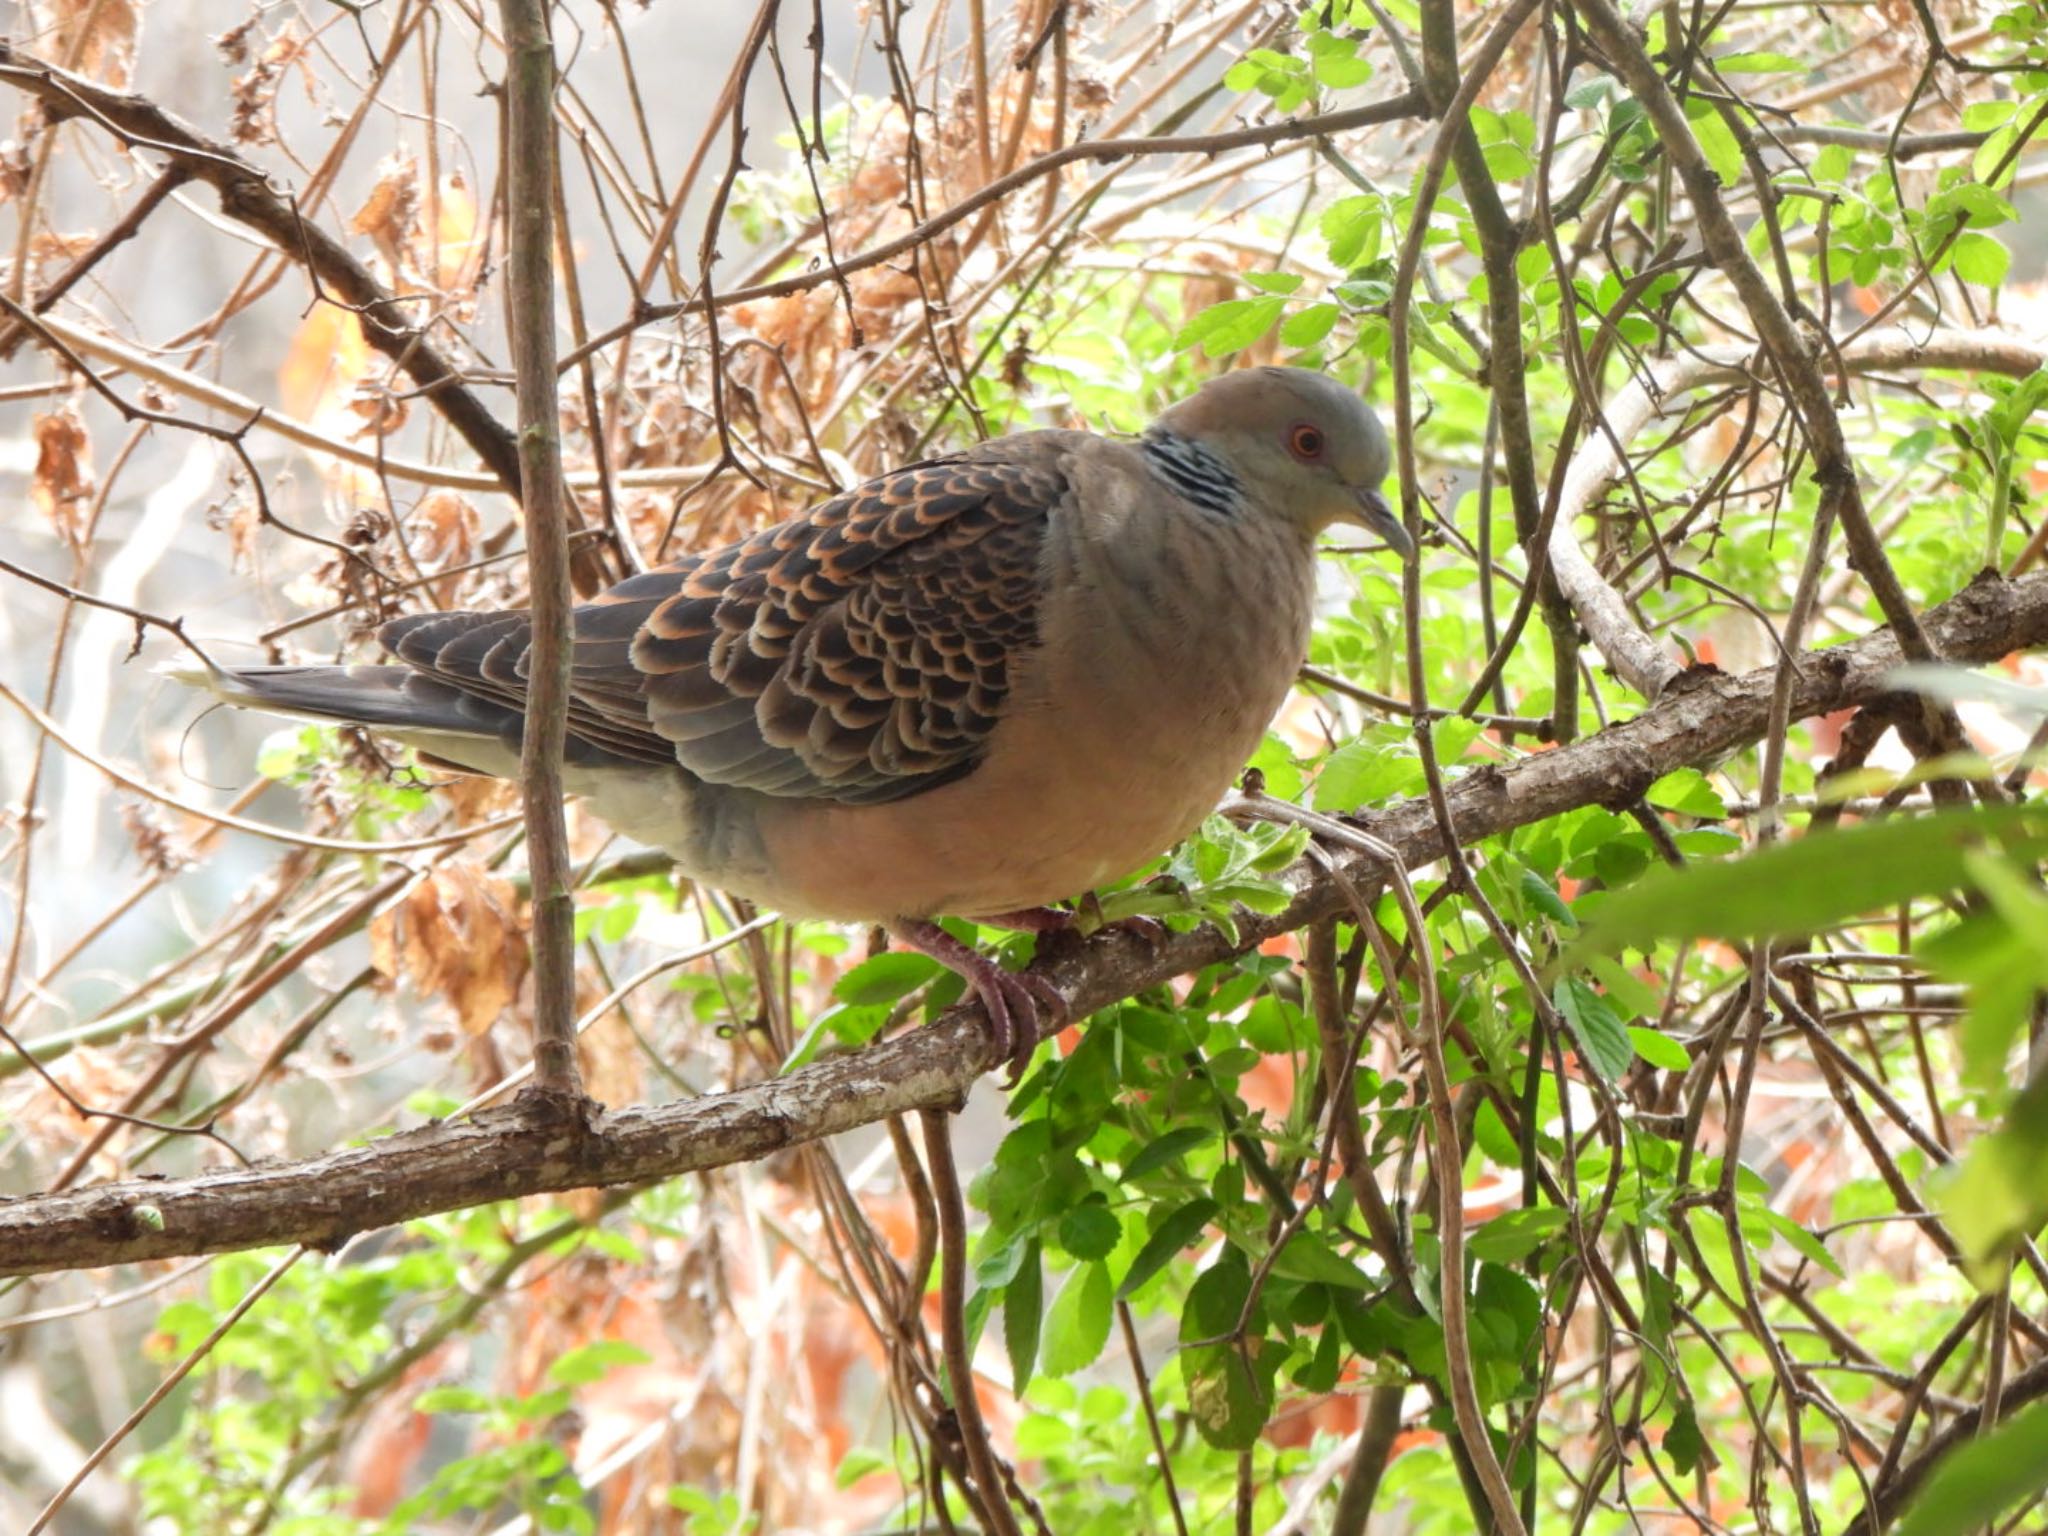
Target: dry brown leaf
[(458, 244), (62, 487), (327, 359), (96, 38), (255, 93), (442, 529), (390, 215), (458, 936)]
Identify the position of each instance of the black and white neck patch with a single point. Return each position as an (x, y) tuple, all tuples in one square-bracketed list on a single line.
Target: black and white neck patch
[(1193, 472)]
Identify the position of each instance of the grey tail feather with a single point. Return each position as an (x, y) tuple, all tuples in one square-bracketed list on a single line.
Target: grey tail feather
[(399, 700), (393, 698)]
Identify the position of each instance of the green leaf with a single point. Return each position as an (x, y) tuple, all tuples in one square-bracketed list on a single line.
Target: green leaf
[(1803, 1240), (885, 978), (1506, 162), (1812, 882), (1023, 1315), (1090, 1231), (1272, 282), (1543, 896), (1588, 94), (1717, 140), (1983, 116), (1306, 327), (1683, 1442), (1602, 1038), (1341, 72), (1687, 791), (451, 1400), (1231, 326), (1989, 155), (1175, 1232), (1164, 1149), (1361, 773), (1996, 1196), (592, 1361), (1759, 64), (1659, 1049), (1078, 1325), (1309, 1257), (1352, 227), (855, 1465), (1980, 259), (1511, 1237), (1982, 1478)]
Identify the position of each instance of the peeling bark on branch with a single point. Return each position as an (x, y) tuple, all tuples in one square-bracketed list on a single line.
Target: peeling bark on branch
[(526, 1149)]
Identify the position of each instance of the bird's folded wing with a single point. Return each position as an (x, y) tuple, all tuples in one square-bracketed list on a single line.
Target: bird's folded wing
[(861, 652)]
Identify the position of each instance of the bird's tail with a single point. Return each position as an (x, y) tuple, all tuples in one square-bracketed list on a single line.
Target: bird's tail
[(395, 699), (452, 728)]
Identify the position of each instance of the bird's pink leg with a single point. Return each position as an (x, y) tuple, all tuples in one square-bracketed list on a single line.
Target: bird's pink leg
[(1022, 1008)]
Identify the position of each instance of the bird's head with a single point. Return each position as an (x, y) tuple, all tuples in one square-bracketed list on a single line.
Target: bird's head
[(1304, 445)]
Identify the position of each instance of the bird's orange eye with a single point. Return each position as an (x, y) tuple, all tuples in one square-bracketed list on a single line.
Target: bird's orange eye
[(1306, 442)]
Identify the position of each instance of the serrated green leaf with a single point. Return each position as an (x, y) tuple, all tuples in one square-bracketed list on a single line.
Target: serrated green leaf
[(1602, 1038), (1090, 1231), (1803, 1240), (1023, 1316), (1307, 327), (1543, 896), (1309, 1257), (1272, 282), (855, 1465), (1167, 1148), (1351, 228), (1980, 259), (1180, 1228), (1687, 792), (885, 978), (1077, 1325), (1512, 1236), (1683, 1442), (1659, 1049), (1230, 326)]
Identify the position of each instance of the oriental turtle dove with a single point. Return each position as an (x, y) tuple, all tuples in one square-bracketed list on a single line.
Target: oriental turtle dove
[(973, 685)]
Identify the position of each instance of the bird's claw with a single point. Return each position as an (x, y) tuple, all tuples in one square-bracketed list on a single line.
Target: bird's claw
[(1023, 1008)]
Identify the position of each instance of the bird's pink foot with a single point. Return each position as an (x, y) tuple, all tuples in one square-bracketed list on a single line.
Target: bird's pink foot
[(1022, 1008)]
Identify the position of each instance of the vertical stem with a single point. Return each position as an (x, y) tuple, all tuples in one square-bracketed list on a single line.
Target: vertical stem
[(981, 1455), (530, 316)]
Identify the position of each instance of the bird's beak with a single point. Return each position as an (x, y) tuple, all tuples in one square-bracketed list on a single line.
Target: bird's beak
[(1375, 515)]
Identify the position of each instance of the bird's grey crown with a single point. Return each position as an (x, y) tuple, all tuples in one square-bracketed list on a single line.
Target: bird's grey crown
[(1193, 471)]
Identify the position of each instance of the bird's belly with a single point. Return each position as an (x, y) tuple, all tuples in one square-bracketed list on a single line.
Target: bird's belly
[(1046, 818)]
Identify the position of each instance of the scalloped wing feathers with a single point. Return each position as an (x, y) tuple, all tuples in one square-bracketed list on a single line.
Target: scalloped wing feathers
[(860, 653)]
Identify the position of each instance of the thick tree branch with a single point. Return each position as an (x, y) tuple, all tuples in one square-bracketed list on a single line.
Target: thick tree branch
[(247, 197), (517, 1151)]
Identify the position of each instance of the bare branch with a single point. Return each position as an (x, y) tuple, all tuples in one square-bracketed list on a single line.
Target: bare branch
[(247, 197)]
